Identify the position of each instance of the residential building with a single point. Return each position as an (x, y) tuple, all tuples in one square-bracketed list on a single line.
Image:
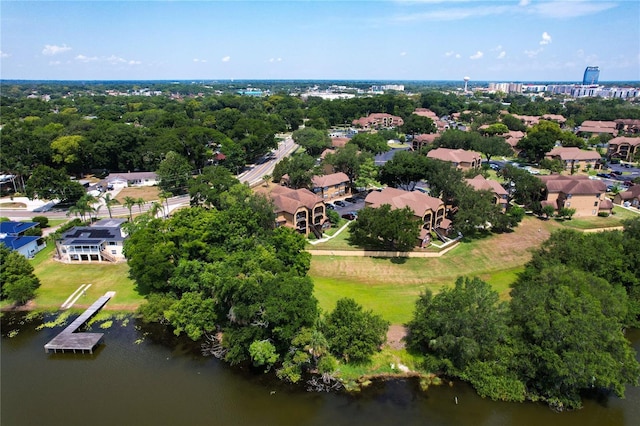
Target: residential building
[(555, 117), (598, 127), (591, 75), (501, 196), (299, 209), (577, 192), (574, 158), (624, 148), (631, 196), (131, 179), (12, 235), (628, 125), (101, 242), (379, 120), (330, 186), (462, 159), (420, 141), (429, 210)]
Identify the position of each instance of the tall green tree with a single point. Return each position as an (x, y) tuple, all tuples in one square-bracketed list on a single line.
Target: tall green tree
[(47, 183), (385, 228), (18, 283), (174, 173), (354, 334), (568, 336), (314, 141)]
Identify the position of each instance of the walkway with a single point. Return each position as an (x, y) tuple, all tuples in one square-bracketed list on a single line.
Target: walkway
[(70, 341)]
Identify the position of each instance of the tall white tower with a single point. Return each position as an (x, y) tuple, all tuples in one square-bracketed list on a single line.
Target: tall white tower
[(466, 81)]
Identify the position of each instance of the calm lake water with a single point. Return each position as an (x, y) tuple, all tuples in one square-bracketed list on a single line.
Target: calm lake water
[(143, 376)]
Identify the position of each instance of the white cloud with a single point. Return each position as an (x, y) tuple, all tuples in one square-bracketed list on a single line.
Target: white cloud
[(116, 59), (113, 59), (450, 53), (4, 54), (226, 59), (275, 60), (546, 38), (403, 53), (533, 53), (51, 49), (570, 9), (83, 58), (476, 55), (199, 60), (451, 10), (501, 55)]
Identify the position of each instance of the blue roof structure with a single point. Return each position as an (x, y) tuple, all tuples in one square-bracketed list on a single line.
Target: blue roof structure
[(16, 228), (15, 243)]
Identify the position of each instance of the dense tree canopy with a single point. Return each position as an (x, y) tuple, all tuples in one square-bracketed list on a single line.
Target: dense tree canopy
[(386, 228), (17, 280)]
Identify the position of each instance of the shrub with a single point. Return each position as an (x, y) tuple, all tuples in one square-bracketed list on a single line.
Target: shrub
[(42, 220), (603, 214)]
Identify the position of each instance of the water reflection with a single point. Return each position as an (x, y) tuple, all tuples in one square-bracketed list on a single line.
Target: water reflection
[(145, 376)]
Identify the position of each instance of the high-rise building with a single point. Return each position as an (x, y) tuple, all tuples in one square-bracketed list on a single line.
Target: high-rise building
[(591, 75)]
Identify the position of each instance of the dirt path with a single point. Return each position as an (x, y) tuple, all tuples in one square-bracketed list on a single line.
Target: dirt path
[(395, 336)]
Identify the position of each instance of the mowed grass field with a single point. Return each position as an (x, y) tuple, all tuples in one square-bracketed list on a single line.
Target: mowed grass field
[(390, 287), (58, 281)]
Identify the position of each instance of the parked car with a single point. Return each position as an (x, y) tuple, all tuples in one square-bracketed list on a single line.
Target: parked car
[(350, 200), (349, 216), (330, 206), (340, 203)]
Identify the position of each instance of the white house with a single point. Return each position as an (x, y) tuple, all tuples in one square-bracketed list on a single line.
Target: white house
[(101, 242)]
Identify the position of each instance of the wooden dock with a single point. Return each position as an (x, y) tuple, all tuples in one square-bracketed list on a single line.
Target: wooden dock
[(70, 341)]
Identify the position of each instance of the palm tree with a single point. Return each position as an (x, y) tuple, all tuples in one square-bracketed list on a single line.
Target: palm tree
[(129, 202), (109, 202), (140, 202), (164, 196), (155, 208)]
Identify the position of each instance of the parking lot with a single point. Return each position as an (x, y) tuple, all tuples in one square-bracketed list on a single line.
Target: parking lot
[(355, 205)]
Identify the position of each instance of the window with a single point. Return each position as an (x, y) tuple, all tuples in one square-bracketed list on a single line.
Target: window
[(113, 252), (595, 204)]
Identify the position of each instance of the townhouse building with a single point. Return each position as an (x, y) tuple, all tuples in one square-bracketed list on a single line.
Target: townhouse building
[(299, 209), (331, 186), (625, 148), (461, 159), (574, 158), (577, 192), (501, 196)]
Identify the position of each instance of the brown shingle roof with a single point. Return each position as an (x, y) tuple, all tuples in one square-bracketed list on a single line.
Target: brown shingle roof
[(329, 180), (625, 139), (454, 155), (573, 153), (479, 183), (631, 193), (575, 185), (291, 200), (418, 202)]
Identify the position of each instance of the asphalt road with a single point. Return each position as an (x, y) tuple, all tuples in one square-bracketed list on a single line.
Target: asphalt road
[(253, 173)]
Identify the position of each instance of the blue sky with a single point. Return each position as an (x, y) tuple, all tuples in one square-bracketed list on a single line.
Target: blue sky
[(516, 40)]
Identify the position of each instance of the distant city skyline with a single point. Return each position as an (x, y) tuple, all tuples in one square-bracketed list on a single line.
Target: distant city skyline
[(517, 40)]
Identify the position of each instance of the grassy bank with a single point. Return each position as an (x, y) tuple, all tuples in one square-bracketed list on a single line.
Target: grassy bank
[(60, 280)]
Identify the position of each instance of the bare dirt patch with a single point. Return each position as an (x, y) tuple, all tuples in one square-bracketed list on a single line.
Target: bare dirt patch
[(147, 193), (13, 205), (395, 336)]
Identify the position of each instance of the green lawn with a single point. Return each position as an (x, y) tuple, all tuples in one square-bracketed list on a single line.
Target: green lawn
[(59, 281), (595, 222)]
